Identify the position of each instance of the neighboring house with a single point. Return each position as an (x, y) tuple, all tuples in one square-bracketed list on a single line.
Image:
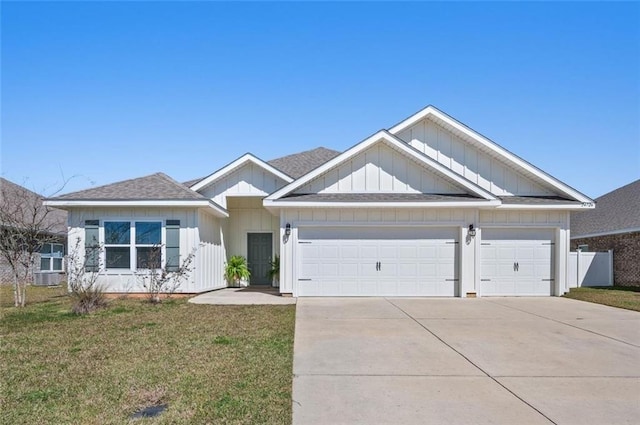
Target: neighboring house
[(428, 207), (614, 225), (21, 206)]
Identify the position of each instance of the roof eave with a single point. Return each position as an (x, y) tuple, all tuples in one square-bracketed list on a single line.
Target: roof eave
[(320, 204), (67, 204)]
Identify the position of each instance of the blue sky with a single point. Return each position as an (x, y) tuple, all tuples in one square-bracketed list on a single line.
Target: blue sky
[(109, 91)]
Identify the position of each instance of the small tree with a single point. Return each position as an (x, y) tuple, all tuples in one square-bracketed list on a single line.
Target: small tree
[(83, 270), (157, 279), (25, 226)]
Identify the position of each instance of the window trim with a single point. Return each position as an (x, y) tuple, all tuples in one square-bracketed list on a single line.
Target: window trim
[(132, 252), (51, 257)]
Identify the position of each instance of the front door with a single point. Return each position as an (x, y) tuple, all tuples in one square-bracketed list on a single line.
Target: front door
[(259, 252)]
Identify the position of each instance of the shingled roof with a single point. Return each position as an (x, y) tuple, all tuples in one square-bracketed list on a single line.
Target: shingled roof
[(615, 212), (156, 187), (299, 164), (295, 165), (25, 206)]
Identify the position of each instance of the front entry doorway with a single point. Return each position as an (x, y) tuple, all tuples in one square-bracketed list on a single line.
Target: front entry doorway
[(259, 254)]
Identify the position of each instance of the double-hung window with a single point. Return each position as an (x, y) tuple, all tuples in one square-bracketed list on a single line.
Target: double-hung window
[(139, 244), (51, 255), (117, 244), (148, 244)]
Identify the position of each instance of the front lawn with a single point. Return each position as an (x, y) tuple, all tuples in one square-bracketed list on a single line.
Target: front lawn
[(615, 296), (209, 364)]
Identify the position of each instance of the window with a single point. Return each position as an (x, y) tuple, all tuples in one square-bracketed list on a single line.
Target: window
[(583, 248), (117, 244), (140, 242), (148, 244), (51, 255)]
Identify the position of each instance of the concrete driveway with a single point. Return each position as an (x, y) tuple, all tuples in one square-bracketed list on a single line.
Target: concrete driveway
[(465, 361)]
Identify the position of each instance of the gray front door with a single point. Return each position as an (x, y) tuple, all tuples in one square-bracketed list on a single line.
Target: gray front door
[(259, 251)]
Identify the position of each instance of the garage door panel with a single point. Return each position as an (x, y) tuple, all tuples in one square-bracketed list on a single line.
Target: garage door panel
[(377, 262), (516, 262)]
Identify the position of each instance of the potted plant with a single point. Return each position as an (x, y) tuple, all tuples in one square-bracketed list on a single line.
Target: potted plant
[(237, 271), (274, 269)]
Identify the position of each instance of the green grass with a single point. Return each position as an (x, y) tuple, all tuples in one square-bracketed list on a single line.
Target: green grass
[(615, 296), (210, 364)]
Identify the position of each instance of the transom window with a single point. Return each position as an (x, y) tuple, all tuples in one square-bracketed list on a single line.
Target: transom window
[(51, 256)]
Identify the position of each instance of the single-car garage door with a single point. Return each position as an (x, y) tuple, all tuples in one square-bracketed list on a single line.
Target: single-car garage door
[(516, 262), (376, 261)]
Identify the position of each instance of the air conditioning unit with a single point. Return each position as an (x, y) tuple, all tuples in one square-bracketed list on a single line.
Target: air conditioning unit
[(48, 279)]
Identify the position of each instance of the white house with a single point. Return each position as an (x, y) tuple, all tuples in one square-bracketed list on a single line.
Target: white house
[(428, 207)]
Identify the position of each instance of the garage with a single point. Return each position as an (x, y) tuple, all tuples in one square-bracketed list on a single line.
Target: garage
[(377, 261), (516, 262)]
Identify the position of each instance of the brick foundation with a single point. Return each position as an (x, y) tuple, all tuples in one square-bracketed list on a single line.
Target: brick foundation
[(626, 255)]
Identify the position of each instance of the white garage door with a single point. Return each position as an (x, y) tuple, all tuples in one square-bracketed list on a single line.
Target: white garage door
[(376, 261), (516, 262)]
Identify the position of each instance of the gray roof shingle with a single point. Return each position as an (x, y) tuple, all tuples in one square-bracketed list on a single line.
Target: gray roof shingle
[(24, 205), (299, 164), (537, 200), (156, 186), (378, 197), (615, 211)]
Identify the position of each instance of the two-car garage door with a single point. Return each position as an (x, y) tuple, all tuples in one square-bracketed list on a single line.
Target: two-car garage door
[(377, 261)]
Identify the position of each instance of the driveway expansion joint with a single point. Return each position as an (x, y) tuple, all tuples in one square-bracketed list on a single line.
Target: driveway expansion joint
[(472, 363), (566, 324)]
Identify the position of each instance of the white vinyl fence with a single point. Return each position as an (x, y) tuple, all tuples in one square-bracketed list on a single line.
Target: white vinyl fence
[(590, 269)]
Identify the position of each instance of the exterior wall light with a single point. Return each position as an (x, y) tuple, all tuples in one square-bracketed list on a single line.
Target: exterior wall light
[(472, 231), (287, 229)]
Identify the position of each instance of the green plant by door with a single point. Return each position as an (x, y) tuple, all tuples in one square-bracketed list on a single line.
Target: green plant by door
[(274, 268), (237, 270)]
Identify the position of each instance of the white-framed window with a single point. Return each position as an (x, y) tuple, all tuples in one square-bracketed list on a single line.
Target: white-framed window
[(140, 244), (51, 257)]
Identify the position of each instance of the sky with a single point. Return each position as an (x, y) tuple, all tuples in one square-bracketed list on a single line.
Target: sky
[(97, 92)]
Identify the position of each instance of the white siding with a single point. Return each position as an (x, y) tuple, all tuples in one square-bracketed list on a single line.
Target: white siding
[(379, 169), (124, 281), (211, 254), (247, 215), (469, 161), (248, 180)]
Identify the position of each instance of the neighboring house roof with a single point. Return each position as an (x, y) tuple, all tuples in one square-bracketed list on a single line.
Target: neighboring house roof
[(299, 164), (154, 190), (616, 212), (23, 201)]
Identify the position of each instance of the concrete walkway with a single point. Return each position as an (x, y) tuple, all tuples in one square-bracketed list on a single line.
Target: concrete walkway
[(465, 361), (243, 296)]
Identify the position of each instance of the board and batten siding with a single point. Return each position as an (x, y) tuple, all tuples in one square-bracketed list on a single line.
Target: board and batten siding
[(247, 215), (379, 169), (247, 180), (211, 256), (469, 161), (124, 281)]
